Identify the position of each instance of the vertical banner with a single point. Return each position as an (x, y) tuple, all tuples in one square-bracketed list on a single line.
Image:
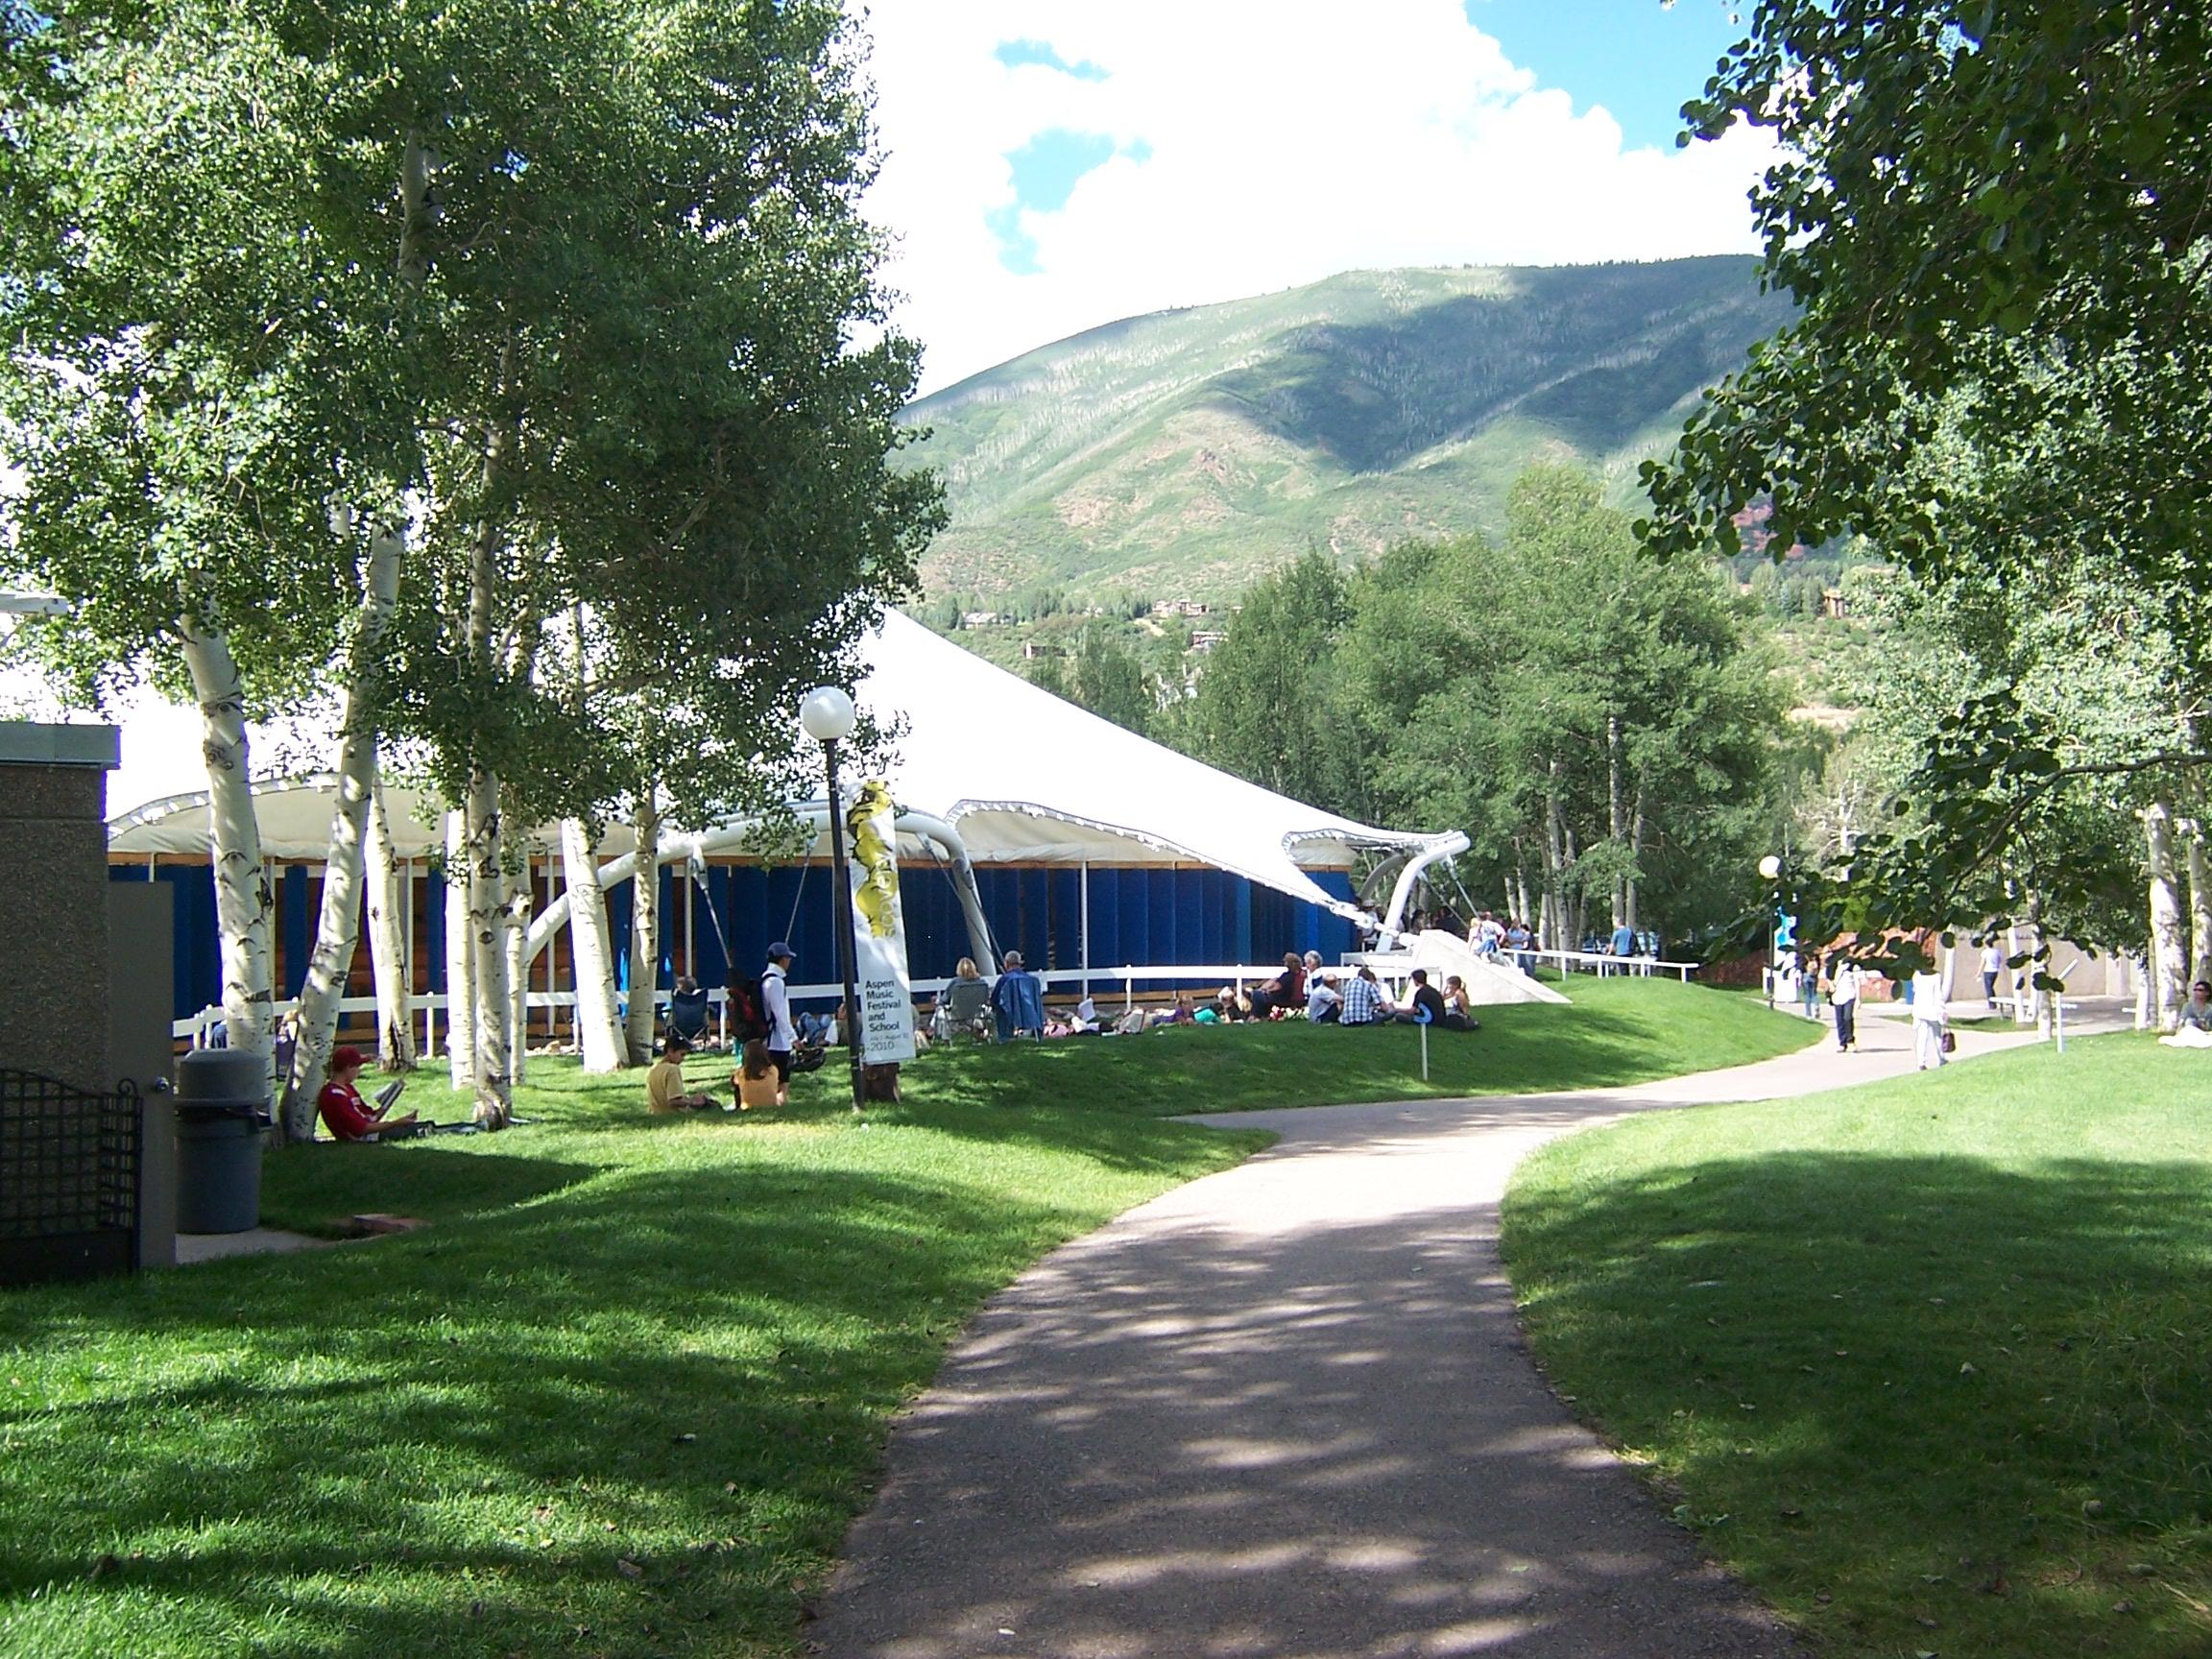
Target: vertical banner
[(886, 1017)]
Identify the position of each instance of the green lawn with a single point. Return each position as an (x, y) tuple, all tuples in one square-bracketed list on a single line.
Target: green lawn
[(624, 1394), (1929, 1362), (1622, 1030), (621, 1397)]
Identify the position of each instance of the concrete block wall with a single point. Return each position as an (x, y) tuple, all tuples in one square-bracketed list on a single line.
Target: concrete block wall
[(53, 899)]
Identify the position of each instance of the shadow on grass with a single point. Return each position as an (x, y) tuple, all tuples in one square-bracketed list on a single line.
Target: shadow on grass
[(472, 1431), (317, 1188), (1927, 1388)]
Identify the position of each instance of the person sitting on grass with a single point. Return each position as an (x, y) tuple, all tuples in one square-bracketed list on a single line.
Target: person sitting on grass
[(964, 1005), (1323, 1001), (2195, 1031), (757, 1080), (687, 1011), (1285, 991), (348, 1117), (664, 1084), (1017, 1000), (1425, 998), (1363, 1002), (1458, 1015)]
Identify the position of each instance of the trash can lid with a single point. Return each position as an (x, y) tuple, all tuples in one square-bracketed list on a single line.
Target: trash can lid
[(223, 1074)]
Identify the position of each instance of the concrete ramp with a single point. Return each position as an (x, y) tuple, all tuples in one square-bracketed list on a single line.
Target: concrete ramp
[(1490, 979)]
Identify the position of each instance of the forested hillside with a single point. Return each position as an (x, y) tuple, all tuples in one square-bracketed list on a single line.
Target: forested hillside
[(1181, 453)]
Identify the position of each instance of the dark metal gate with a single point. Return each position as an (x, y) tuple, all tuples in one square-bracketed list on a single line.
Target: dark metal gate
[(69, 1173)]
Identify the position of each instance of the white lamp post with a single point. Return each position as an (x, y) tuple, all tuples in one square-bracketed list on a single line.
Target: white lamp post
[(827, 714), (1770, 870)]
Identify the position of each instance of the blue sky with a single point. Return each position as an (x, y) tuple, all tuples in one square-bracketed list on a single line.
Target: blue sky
[(1054, 164), (1639, 59)]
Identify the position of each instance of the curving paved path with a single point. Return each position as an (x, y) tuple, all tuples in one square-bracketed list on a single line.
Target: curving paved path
[(1286, 1413)]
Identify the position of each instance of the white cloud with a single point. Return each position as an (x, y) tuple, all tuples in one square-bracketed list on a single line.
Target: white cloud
[(1286, 142)]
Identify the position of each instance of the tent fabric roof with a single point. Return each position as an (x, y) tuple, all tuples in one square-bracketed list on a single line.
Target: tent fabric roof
[(1023, 776)]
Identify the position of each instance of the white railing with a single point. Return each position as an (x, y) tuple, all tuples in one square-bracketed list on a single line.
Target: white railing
[(430, 1007), (1604, 962)]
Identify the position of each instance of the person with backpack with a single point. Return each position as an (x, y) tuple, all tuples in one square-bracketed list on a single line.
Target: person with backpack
[(776, 1008)]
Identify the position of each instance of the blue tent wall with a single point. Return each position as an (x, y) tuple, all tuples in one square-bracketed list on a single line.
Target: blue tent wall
[(1138, 915)]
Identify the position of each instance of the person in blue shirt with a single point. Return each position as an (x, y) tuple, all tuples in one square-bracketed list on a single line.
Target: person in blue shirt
[(1017, 1000), (1623, 942)]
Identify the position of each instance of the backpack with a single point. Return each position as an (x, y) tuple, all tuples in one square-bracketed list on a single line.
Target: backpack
[(748, 1013)]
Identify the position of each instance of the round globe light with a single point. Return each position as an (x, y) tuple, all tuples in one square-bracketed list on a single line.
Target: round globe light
[(1770, 866), (826, 714)]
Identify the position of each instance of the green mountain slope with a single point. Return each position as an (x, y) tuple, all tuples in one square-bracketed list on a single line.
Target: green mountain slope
[(1181, 453)]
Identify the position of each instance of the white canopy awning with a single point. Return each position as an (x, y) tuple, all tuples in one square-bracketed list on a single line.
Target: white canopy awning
[(1024, 776)]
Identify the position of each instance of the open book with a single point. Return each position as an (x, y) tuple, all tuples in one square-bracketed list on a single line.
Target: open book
[(387, 1095)]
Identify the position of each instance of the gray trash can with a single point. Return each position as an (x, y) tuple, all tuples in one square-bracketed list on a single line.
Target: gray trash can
[(221, 1114)]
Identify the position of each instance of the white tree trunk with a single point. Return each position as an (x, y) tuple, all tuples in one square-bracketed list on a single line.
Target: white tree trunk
[(460, 959), (1616, 813), (599, 1035), (515, 914), (243, 898), (2199, 906), (1636, 856), (337, 928), (1554, 923), (390, 949), (2168, 966), (487, 948), (644, 930)]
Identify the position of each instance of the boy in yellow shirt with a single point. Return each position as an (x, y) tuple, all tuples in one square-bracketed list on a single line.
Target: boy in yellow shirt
[(664, 1083)]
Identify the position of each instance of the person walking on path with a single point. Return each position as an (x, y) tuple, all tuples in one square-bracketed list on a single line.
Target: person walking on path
[(1992, 965), (1931, 1019), (1844, 996)]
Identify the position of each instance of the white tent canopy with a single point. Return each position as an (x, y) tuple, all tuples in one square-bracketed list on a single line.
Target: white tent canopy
[(1022, 775)]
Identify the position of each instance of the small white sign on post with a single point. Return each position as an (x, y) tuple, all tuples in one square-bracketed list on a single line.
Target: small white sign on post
[(886, 1017)]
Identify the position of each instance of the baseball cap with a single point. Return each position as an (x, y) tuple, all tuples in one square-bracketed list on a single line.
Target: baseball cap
[(348, 1059), (780, 948)]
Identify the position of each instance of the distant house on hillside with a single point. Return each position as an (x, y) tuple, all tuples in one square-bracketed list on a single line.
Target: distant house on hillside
[(1751, 531), (1832, 603), (1180, 608), (1206, 639), (1032, 649), (980, 620)]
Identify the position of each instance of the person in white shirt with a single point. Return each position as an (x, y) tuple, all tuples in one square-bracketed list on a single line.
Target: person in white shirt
[(1992, 965), (2195, 1030), (1843, 995), (776, 1007), (1931, 1018), (1323, 1003)]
